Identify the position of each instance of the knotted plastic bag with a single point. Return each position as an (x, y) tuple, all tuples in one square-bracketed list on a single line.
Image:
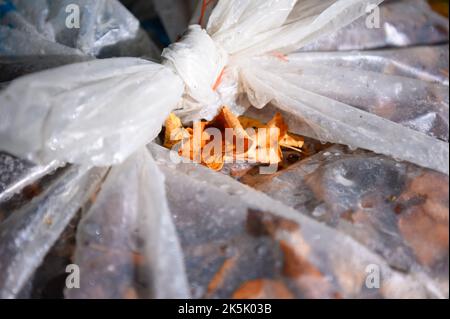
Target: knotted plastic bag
[(112, 131), (34, 36), (77, 113)]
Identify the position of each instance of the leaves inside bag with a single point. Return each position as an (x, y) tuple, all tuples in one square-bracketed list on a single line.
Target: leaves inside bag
[(231, 139)]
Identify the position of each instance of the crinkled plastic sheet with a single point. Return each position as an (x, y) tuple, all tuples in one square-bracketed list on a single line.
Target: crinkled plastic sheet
[(402, 23), (237, 242), (34, 38), (416, 104), (98, 116), (408, 86), (27, 234), (15, 174), (429, 64), (289, 26), (71, 132), (397, 210), (34, 35), (301, 92), (425, 63), (126, 243)]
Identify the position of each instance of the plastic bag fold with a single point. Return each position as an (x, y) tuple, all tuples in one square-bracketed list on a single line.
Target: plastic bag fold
[(29, 233), (337, 122), (105, 28), (402, 23), (242, 53), (95, 113), (39, 35), (397, 210), (127, 246)]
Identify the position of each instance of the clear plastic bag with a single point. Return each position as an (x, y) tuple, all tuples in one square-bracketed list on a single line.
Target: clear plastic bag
[(299, 92), (99, 115), (16, 174), (101, 112), (425, 63), (199, 60), (390, 84), (427, 113), (397, 210), (126, 243), (238, 242), (34, 35), (27, 234), (33, 38), (402, 23)]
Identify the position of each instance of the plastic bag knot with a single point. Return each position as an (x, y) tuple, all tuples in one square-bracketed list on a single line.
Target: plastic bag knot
[(200, 63)]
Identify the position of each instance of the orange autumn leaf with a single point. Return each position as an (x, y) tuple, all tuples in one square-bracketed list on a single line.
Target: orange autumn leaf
[(224, 120), (248, 122), (278, 122), (440, 6), (227, 138), (270, 138), (291, 141), (192, 146), (266, 147), (195, 147), (174, 131)]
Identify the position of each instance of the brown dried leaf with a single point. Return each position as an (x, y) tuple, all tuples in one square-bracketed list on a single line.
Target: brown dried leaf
[(248, 122), (175, 132), (292, 141), (227, 120), (263, 289), (261, 145)]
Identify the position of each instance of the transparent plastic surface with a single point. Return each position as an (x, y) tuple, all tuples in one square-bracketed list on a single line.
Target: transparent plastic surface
[(104, 28), (38, 35), (333, 121), (16, 174), (397, 210), (427, 112), (402, 23), (104, 112), (201, 58), (28, 234), (98, 116), (126, 243), (237, 242)]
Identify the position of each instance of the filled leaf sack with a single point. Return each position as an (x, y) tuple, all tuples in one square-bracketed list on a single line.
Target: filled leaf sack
[(100, 112), (103, 113)]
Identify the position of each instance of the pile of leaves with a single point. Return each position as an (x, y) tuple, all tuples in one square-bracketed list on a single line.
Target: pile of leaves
[(229, 139)]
